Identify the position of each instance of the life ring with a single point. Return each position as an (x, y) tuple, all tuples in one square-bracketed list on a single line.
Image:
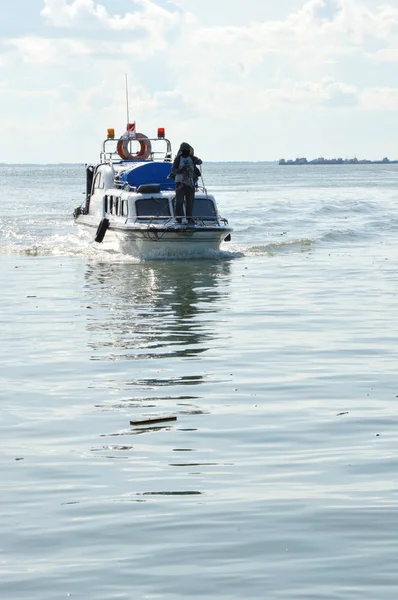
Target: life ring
[(101, 231), (123, 147)]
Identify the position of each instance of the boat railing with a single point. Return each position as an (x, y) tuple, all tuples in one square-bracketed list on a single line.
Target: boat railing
[(204, 221), (123, 184), (109, 151)]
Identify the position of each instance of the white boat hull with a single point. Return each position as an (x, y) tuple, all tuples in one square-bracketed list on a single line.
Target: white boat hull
[(159, 240)]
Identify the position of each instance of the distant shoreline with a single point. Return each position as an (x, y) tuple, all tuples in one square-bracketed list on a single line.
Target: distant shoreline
[(336, 161)]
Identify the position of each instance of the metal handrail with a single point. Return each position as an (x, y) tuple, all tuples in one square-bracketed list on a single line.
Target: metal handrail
[(108, 156)]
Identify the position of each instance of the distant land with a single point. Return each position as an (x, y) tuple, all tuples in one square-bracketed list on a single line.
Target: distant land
[(337, 161)]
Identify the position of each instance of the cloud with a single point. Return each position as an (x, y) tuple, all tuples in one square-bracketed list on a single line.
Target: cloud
[(38, 50), (211, 63), (325, 92), (379, 99), (385, 55), (60, 13), (87, 14)]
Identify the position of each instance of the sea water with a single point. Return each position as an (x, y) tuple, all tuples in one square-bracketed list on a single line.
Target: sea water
[(278, 356)]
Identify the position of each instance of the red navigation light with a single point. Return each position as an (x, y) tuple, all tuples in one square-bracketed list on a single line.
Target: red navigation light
[(161, 132)]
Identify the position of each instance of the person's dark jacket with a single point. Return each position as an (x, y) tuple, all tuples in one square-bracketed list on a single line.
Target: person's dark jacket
[(175, 169)]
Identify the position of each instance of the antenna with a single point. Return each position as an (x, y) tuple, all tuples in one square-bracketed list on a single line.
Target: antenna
[(127, 100)]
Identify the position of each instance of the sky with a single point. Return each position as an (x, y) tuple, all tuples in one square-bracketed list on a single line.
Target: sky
[(247, 80)]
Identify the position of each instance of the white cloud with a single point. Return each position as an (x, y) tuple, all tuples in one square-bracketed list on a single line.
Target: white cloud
[(385, 55), (325, 92), (48, 51), (61, 13), (33, 49), (379, 99), (87, 14)]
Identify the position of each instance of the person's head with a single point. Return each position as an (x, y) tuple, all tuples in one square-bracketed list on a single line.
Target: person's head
[(185, 149)]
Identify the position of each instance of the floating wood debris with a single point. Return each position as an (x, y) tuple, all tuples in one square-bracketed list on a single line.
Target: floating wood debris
[(154, 419)]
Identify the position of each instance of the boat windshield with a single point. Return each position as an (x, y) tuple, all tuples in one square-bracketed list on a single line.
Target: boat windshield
[(153, 207), (204, 208)]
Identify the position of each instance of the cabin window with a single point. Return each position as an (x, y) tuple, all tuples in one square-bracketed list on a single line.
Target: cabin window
[(125, 208), (204, 208), (98, 182), (116, 210), (152, 207)]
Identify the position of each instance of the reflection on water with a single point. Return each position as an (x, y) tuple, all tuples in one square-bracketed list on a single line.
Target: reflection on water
[(138, 431), (139, 313), (152, 383), (162, 310), (150, 402)]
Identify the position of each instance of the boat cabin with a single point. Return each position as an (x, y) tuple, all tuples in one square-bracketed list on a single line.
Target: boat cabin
[(133, 207), (120, 191)]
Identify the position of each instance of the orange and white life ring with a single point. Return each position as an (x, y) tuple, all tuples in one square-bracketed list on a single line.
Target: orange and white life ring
[(123, 146)]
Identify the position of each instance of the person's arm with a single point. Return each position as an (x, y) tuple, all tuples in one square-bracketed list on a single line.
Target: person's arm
[(174, 168), (196, 160)]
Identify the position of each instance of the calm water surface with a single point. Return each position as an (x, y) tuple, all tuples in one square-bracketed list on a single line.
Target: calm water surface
[(278, 356)]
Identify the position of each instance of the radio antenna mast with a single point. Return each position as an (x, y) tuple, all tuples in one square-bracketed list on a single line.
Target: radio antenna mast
[(127, 100)]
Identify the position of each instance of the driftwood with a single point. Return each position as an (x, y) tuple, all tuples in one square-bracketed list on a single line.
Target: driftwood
[(154, 419)]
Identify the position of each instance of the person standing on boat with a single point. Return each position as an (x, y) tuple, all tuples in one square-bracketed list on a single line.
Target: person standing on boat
[(185, 173)]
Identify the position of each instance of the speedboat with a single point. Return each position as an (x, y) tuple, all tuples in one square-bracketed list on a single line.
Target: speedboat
[(130, 201)]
